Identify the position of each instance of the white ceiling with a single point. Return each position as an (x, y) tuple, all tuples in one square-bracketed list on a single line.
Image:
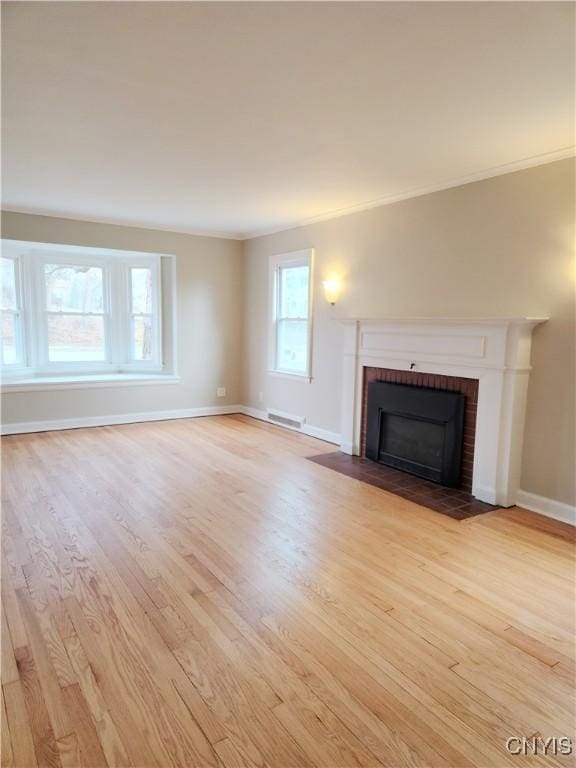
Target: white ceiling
[(237, 118)]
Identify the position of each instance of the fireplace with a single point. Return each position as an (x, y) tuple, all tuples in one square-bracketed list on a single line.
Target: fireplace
[(466, 387), (493, 353), (416, 429)]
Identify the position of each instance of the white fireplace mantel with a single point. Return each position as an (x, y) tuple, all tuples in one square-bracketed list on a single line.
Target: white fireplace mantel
[(496, 351)]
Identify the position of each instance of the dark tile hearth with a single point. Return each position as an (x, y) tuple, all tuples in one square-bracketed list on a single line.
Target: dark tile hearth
[(455, 503)]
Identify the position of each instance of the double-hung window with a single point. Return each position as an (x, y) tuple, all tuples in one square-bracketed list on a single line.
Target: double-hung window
[(291, 288), (143, 302), (71, 310), (74, 328)]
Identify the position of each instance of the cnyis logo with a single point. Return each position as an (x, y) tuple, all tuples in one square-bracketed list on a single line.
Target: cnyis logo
[(538, 745)]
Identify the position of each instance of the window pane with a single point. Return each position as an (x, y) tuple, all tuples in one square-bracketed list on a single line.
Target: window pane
[(292, 345), (75, 338), (141, 290), (74, 289), (9, 347), (8, 277), (142, 338), (294, 291)]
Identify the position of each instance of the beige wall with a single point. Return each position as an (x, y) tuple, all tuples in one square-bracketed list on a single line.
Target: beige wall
[(500, 247), (209, 278)]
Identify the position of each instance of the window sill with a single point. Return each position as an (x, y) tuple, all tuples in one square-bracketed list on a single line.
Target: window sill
[(303, 377), (78, 381)]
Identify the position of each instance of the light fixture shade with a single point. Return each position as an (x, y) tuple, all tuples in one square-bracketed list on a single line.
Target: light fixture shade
[(332, 290)]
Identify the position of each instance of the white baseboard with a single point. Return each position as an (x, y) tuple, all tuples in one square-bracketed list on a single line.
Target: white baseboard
[(254, 412), (321, 434), (306, 429), (107, 421), (133, 418), (547, 507)]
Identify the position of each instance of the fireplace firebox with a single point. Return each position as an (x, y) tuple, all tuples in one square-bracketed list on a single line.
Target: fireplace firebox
[(416, 429)]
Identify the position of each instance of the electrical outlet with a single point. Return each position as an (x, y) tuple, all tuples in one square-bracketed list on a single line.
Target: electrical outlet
[(260, 397), (221, 392)]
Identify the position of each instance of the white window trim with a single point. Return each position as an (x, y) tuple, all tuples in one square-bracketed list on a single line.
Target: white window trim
[(36, 372), (294, 258), (79, 381), (35, 262)]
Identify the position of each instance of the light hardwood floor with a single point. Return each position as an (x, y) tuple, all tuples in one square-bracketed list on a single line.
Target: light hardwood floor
[(197, 593)]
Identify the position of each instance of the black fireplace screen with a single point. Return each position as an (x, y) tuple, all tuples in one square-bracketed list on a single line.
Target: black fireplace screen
[(416, 429)]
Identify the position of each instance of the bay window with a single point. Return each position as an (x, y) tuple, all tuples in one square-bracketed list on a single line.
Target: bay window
[(70, 310)]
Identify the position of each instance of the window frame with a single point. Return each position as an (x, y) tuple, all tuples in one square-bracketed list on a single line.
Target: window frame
[(117, 311), (156, 314), (40, 317), (277, 263), (19, 324)]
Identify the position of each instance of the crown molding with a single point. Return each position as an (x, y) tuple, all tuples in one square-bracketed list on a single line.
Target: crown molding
[(460, 181), (122, 223)]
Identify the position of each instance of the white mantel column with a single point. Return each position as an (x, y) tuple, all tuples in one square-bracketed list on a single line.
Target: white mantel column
[(350, 394)]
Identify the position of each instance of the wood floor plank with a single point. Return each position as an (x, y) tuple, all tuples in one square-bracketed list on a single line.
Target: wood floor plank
[(69, 750), (230, 757), (89, 746), (9, 668), (197, 594), (43, 736), (107, 732), (21, 739), (6, 752), (43, 666)]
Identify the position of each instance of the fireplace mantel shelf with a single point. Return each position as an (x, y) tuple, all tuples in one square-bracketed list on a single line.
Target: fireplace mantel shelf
[(443, 320)]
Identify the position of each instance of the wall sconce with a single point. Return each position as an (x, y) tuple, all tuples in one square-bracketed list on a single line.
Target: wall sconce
[(332, 290)]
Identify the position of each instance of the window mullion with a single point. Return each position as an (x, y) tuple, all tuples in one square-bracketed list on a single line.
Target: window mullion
[(19, 317), (278, 323), (38, 325), (68, 313), (116, 310), (156, 318), (126, 321)]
